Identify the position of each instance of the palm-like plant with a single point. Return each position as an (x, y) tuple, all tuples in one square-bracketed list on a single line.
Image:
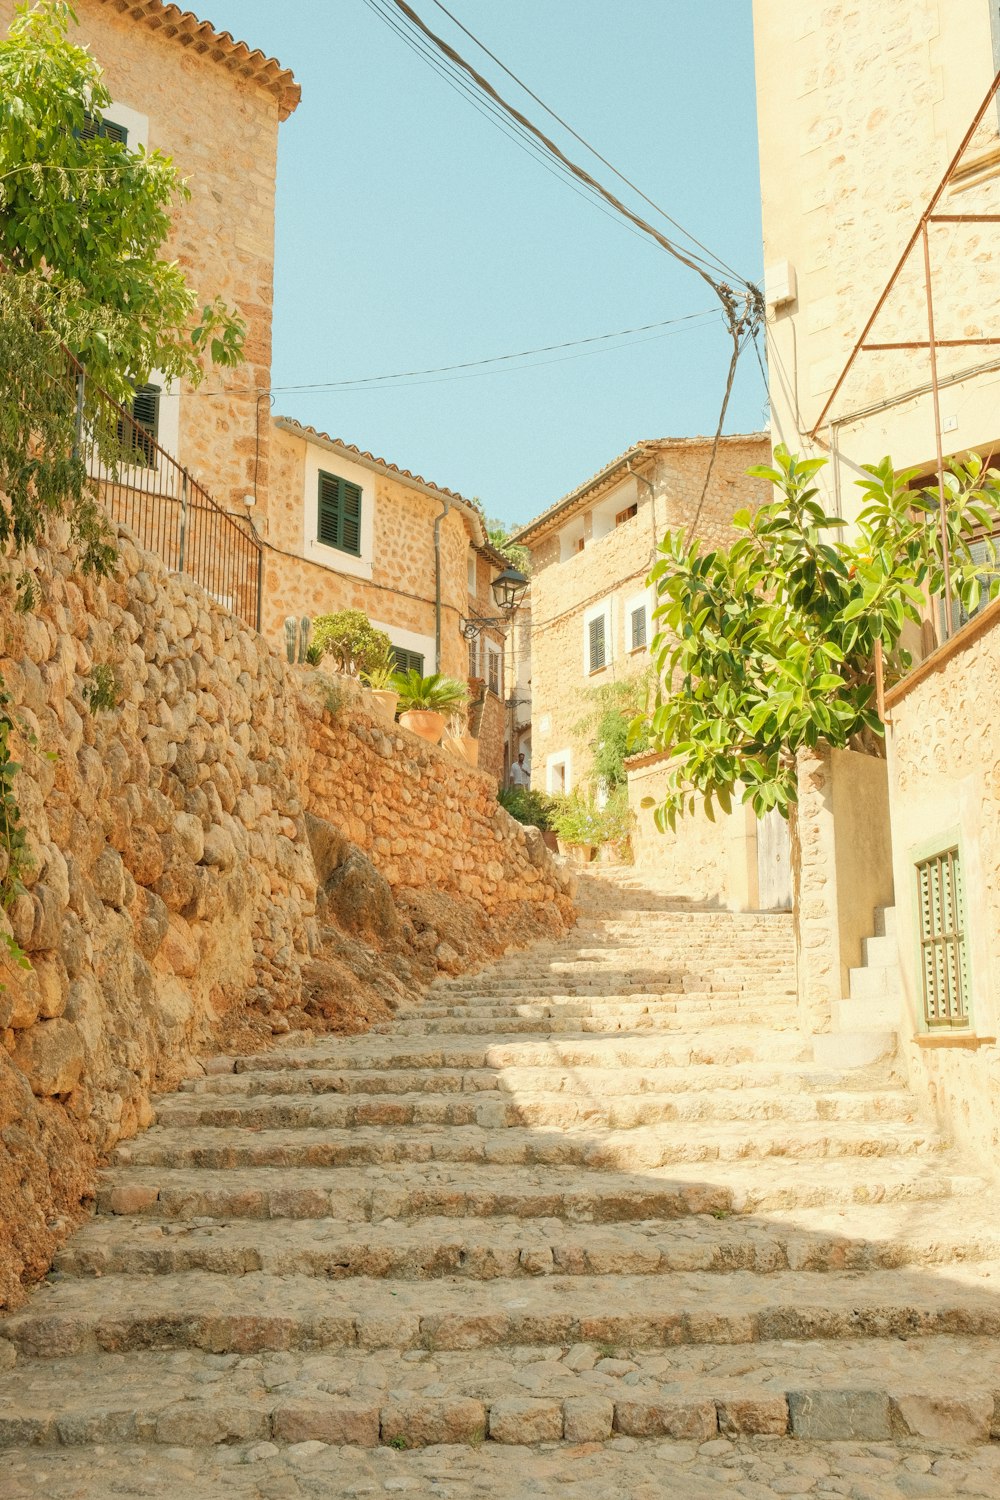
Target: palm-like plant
[(435, 694)]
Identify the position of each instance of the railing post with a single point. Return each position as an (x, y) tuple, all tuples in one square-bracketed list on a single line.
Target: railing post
[(184, 516), (260, 586), (81, 377)]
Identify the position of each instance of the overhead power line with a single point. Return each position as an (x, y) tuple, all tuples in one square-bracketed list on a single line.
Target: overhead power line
[(695, 319), (712, 258)]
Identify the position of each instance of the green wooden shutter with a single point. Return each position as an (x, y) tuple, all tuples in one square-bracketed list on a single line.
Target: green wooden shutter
[(107, 129), (638, 627), (339, 518), (407, 661), (597, 644)]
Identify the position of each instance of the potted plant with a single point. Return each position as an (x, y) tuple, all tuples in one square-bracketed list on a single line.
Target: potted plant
[(460, 742), (577, 822), (426, 702), (378, 677)]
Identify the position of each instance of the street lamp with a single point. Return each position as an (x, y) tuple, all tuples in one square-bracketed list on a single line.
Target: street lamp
[(509, 588)]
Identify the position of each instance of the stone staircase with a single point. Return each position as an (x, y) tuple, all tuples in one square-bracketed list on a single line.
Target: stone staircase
[(599, 1191), (865, 1026)]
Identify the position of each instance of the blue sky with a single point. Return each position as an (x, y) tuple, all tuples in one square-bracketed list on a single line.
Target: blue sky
[(412, 233)]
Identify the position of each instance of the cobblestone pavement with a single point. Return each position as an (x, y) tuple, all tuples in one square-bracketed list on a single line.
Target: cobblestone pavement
[(623, 1469), (591, 1223)]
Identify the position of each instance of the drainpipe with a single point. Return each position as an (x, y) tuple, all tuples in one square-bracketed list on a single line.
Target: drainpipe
[(437, 584)]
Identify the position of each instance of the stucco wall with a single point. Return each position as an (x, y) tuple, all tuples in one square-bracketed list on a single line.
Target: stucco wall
[(710, 863), (612, 570), (944, 780), (860, 108), (222, 133), (843, 870)]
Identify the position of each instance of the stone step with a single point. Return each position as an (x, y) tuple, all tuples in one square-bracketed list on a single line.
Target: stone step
[(639, 1148), (881, 1014), (495, 1107), (707, 1009), (881, 1236), (416, 1190), (257, 1312), (885, 921), (513, 1024), (724, 1047), (875, 984), (880, 952), (791, 1079), (521, 1395)]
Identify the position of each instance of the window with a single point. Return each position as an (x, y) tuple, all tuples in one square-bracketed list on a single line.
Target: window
[(581, 543), (626, 515), (408, 661), (104, 130), (637, 628), (943, 959), (139, 435), (986, 552), (597, 644), (473, 659), (339, 521), (494, 669)]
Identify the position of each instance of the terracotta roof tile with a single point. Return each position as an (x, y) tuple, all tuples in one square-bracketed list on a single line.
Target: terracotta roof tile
[(185, 28)]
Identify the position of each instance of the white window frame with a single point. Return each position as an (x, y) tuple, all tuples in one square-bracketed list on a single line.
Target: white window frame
[(603, 610), (563, 758), (319, 460)]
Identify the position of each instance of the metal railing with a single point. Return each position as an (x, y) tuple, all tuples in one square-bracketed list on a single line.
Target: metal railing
[(144, 488)]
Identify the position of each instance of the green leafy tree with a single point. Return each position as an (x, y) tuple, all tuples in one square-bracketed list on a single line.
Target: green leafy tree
[(87, 216), (768, 646), (616, 726), (500, 534)]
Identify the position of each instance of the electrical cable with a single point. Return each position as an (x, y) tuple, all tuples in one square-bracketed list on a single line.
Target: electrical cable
[(712, 258)]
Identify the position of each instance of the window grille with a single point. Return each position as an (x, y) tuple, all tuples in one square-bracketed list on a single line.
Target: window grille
[(598, 644), (944, 962)]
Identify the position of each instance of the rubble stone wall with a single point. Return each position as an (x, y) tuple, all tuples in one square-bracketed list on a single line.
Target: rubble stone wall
[(171, 884)]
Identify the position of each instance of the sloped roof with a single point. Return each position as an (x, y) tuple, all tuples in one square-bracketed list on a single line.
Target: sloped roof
[(469, 508), (645, 448), (186, 29)]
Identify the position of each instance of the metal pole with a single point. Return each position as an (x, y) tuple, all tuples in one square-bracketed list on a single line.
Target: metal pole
[(184, 513), (81, 378), (935, 394)]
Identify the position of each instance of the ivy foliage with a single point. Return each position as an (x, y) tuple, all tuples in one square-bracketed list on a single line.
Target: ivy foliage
[(89, 215), (616, 726), (768, 646)]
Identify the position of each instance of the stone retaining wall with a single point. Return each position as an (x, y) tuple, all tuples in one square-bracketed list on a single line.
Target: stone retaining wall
[(171, 884)]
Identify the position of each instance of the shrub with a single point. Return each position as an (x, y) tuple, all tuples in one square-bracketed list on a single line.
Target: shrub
[(351, 640), (526, 806), (577, 819)]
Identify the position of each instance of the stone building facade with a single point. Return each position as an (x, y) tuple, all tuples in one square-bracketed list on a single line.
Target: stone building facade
[(591, 554), (860, 110), (413, 556), (214, 105)]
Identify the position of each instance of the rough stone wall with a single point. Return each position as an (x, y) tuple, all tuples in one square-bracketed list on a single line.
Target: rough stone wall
[(423, 818), (222, 133), (169, 877), (173, 885), (944, 781), (815, 872), (613, 568), (860, 108)]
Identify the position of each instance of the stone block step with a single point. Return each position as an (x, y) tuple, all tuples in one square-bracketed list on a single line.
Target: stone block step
[(875, 984), (725, 1047), (885, 921), (941, 1389), (790, 1079), (882, 1014), (638, 1019), (494, 1107), (413, 1191), (639, 1148), (880, 952), (256, 1312), (878, 1237)]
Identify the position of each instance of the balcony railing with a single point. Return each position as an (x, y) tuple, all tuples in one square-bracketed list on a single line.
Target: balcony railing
[(144, 487)]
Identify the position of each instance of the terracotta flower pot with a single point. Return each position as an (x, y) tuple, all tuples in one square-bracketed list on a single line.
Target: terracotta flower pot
[(549, 840), (424, 723), (578, 854), (386, 700)]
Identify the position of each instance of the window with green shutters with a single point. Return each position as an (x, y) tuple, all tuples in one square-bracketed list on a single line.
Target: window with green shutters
[(638, 627), (408, 661), (140, 434), (598, 644), (943, 950), (339, 520), (106, 130)]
